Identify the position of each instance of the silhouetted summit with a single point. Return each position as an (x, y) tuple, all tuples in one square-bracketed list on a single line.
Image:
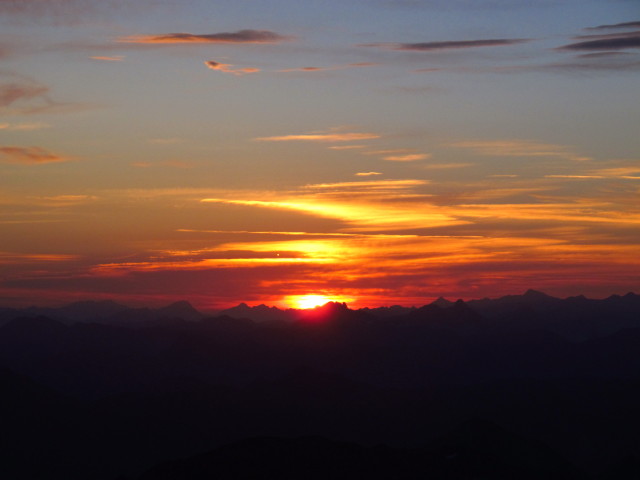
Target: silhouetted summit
[(182, 309)]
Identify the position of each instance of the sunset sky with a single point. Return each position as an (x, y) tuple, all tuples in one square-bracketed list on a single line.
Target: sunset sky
[(376, 152)]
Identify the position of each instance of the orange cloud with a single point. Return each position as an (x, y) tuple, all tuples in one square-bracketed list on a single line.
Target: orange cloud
[(411, 157), (23, 127), (321, 137), (114, 58), (367, 174), (383, 205), (239, 37), (228, 68), (29, 155), (346, 147)]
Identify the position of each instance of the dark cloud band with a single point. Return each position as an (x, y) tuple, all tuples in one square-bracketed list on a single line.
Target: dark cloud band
[(456, 44)]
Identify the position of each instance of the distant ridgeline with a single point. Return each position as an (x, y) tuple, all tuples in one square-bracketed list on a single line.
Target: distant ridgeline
[(524, 386), (574, 318)]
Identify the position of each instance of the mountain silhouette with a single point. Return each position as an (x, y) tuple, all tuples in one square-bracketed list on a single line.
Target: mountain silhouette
[(109, 391), (477, 449)]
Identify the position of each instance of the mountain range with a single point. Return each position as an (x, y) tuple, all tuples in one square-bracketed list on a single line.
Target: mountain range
[(524, 386)]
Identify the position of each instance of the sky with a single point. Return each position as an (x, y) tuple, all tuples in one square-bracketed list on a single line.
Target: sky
[(376, 152)]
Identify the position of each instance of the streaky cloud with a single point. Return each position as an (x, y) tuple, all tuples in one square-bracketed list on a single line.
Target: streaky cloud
[(321, 137), (616, 25), (114, 58), (29, 155), (518, 148), (11, 93), (632, 40), (448, 45), (23, 127), (412, 157), (367, 174), (346, 147), (241, 36), (228, 68), (373, 183), (330, 68)]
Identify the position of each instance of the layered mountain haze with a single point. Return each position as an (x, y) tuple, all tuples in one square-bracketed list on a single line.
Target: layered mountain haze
[(527, 386)]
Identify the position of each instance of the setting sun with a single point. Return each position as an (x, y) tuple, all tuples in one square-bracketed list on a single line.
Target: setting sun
[(308, 301)]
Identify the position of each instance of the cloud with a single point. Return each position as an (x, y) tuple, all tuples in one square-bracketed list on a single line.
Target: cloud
[(11, 93), (410, 157), (114, 58), (346, 147), (376, 184), (448, 166), (610, 42), (398, 154), (616, 25), (228, 68), (321, 137), (595, 55), (332, 67), (449, 45), (22, 95), (365, 206), (518, 148), (23, 127), (29, 156), (241, 36), (367, 174), (619, 173)]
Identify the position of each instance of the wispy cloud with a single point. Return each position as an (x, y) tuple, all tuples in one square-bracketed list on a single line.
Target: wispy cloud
[(22, 95), (331, 136), (239, 37), (382, 205), (228, 68), (367, 174), (410, 157), (398, 154), (29, 155), (446, 166), (621, 173), (448, 45), (608, 42), (23, 127), (11, 93), (113, 58), (615, 26), (346, 147), (375, 184), (518, 148), (329, 68)]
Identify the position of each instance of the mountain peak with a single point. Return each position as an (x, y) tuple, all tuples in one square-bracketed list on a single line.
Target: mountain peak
[(531, 293), (181, 309), (442, 302)]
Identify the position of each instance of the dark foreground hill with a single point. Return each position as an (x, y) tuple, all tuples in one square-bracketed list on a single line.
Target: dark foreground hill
[(99, 399), (476, 449)]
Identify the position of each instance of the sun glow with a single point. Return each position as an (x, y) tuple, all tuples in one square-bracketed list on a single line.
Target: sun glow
[(309, 301)]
